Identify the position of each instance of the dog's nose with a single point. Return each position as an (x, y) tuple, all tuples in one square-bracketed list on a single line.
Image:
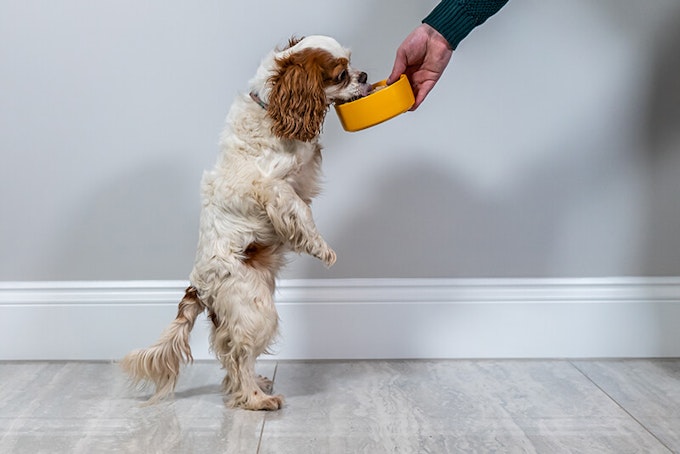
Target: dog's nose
[(363, 77)]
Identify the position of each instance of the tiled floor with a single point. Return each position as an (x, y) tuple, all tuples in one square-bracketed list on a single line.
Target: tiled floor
[(605, 406)]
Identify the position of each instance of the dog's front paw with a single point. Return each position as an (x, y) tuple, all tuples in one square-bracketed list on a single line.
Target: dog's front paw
[(322, 251), (328, 257)]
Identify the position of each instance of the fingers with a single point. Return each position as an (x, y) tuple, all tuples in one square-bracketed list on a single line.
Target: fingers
[(399, 66), (419, 100), (420, 92)]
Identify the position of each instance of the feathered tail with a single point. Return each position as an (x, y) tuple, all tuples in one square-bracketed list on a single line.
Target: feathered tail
[(161, 362)]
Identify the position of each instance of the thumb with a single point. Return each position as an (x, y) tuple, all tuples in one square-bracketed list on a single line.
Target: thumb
[(398, 68)]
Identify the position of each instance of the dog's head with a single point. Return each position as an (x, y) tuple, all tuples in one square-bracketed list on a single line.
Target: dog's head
[(297, 85)]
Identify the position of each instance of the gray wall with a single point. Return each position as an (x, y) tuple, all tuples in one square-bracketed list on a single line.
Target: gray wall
[(551, 147)]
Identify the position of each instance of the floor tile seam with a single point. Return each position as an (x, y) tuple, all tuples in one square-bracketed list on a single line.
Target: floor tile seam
[(264, 419), (624, 409), (259, 439)]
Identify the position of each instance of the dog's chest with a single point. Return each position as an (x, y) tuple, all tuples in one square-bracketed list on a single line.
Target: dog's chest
[(300, 167), (305, 180)]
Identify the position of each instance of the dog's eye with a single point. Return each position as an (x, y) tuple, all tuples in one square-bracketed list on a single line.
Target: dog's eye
[(342, 76)]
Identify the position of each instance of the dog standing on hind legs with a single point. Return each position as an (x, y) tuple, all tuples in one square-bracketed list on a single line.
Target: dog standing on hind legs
[(255, 208)]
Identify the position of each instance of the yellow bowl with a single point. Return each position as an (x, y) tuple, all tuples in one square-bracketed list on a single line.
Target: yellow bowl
[(377, 107)]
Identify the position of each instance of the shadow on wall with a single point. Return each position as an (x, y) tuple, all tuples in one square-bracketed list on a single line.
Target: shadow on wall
[(129, 228), (662, 152), (406, 223)]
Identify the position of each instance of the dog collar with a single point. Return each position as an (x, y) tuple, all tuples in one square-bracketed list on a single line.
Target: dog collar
[(255, 97)]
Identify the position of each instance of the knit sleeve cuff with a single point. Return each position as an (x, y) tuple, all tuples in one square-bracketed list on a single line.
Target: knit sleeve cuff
[(455, 19), (452, 21)]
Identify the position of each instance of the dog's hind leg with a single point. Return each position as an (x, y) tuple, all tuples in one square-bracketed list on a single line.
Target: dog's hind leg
[(245, 390), (264, 383), (242, 333)]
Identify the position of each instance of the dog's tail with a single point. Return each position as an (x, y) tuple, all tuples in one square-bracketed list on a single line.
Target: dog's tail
[(160, 363)]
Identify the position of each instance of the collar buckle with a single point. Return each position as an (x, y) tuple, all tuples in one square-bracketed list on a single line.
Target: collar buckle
[(255, 97)]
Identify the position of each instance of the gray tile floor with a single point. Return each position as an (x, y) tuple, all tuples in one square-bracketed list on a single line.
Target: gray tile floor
[(607, 406)]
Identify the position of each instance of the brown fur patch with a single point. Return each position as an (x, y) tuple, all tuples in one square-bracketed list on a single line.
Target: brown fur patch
[(191, 292), (190, 298), (213, 318), (258, 256)]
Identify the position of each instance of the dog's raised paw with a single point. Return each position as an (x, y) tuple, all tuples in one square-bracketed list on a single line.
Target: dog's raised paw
[(329, 257)]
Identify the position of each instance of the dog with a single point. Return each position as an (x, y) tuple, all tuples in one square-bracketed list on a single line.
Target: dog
[(255, 209)]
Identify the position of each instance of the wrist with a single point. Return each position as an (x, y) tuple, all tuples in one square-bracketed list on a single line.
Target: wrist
[(435, 37)]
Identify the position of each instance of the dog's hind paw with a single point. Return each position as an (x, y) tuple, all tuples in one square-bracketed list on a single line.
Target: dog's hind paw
[(258, 400), (268, 403), (265, 403)]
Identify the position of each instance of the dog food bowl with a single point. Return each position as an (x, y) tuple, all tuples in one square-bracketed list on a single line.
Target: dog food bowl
[(383, 103)]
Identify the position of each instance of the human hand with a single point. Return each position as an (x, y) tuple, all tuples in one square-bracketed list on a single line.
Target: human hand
[(422, 56)]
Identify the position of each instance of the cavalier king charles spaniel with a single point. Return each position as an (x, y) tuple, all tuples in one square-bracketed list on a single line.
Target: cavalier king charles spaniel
[(255, 208)]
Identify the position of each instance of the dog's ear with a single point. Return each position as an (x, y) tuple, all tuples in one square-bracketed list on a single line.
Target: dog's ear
[(297, 101)]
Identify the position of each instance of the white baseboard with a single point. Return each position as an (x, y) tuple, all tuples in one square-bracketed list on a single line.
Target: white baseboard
[(363, 318)]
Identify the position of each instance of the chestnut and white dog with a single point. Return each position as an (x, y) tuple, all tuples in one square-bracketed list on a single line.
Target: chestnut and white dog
[(255, 208)]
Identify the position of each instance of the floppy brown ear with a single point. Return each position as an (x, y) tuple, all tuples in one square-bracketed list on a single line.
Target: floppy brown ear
[(297, 101)]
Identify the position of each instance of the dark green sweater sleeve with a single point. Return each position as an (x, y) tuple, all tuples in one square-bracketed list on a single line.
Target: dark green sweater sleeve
[(454, 19)]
